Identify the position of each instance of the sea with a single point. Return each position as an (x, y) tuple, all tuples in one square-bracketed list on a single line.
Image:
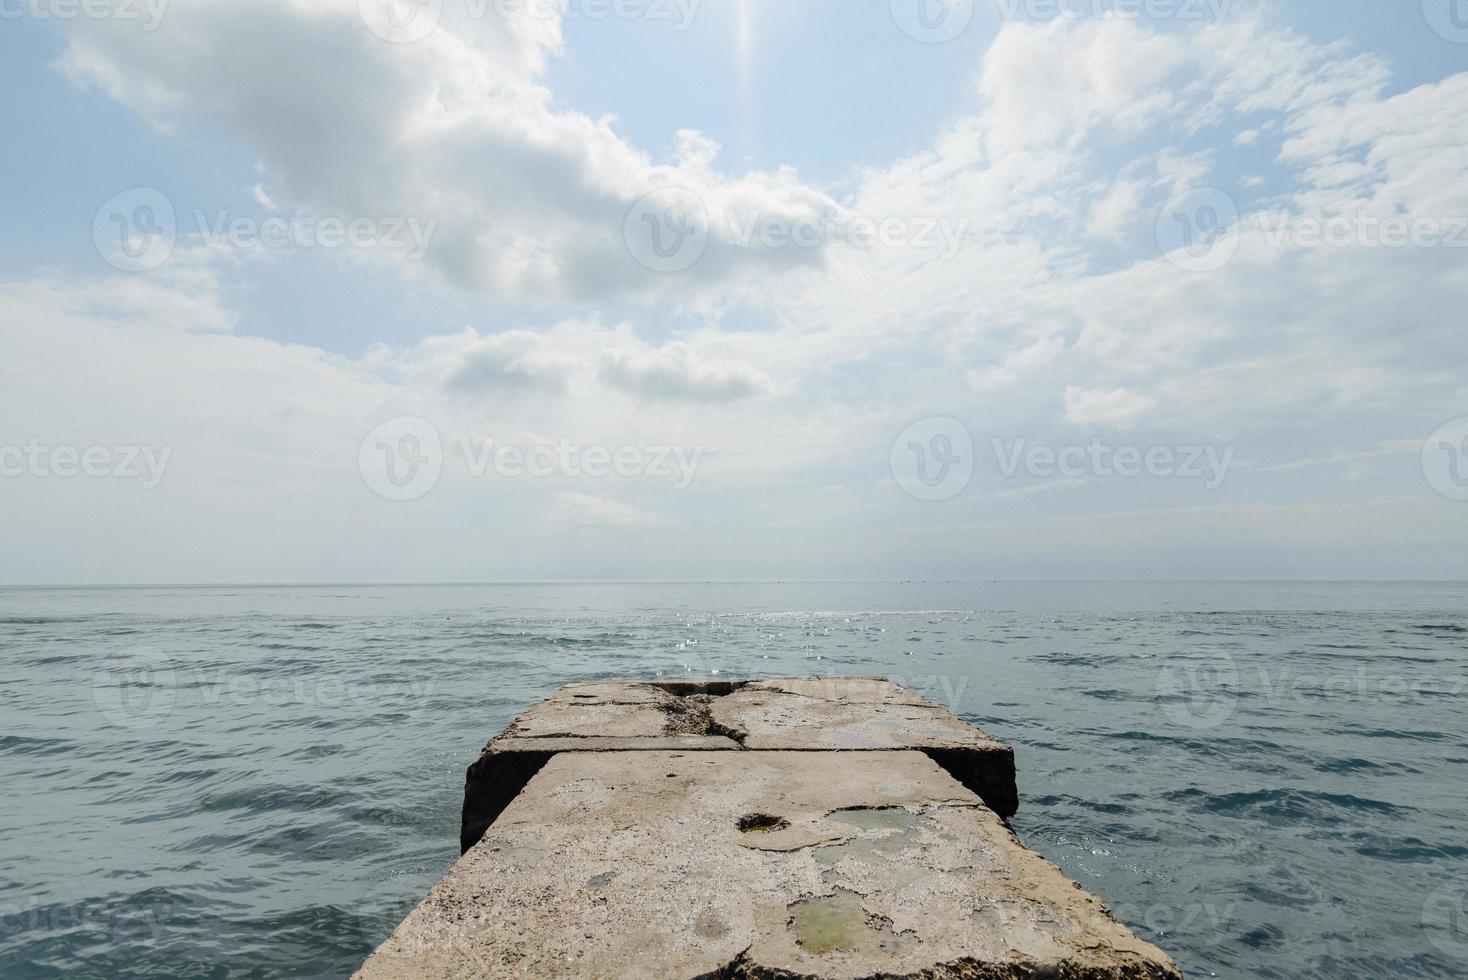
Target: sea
[(1264, 779)]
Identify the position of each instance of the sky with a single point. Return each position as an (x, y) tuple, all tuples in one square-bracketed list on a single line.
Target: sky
[(489, 290)]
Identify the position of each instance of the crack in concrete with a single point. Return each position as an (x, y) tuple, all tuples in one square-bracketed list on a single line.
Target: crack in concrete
[(692, 714)]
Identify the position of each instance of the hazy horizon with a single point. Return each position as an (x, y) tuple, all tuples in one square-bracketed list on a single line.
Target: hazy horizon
[(714, 581)]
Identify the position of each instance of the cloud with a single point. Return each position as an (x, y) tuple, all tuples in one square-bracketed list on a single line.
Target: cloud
[(183, 296), (576, 359), (1019, 365), (675, 372), (584, 510), (1112, 70), (1260, 336), (511, 362), (1113, 215), (1118, 408), (531, 200)]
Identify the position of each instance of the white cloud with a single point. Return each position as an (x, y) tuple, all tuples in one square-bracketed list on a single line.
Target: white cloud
[(1261, 335), (576, 359), (183, 296), (513, 362), (1183, 172), (1019, 365), (1119, 407), (1113, 215), (1112, 70), (675, 371), (585, 510), (530, 199)]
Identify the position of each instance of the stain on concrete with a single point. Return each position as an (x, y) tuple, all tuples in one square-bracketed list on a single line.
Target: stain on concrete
[(710, 926), (838, 923), (822, 925), (890, 831), (761, 823)]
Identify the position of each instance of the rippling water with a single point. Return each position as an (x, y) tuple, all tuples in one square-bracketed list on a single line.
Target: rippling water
[(1266, 780)]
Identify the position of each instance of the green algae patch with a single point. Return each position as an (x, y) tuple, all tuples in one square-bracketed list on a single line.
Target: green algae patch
[(829, 923)]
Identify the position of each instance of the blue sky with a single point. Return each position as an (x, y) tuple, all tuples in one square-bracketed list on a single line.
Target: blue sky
[(1038, 178)]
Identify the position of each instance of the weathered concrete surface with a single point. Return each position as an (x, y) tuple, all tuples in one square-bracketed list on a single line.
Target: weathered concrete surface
[(797, 713), (820, 714), (756, 864), (595, 716)]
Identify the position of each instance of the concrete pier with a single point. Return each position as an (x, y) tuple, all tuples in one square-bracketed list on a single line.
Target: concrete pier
[(793, 714), (804, 828)]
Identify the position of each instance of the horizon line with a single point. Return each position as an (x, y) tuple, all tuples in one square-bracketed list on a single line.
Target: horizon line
[(714, 581)]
